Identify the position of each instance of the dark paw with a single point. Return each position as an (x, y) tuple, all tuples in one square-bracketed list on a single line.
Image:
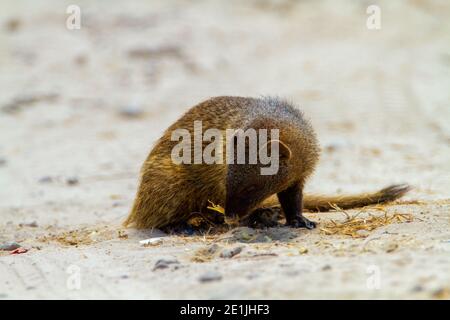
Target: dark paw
[(301, 222)]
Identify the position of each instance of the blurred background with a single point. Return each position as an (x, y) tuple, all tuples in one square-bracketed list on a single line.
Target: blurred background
[(81, 108)]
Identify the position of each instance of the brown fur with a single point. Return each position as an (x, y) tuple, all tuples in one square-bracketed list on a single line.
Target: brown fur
[(169, 193), (318, 203)]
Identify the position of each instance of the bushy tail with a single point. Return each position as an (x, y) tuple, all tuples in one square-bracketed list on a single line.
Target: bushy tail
[(326, 203)]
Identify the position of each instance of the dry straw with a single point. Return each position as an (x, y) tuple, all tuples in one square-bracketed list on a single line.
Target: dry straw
[(354, 225)]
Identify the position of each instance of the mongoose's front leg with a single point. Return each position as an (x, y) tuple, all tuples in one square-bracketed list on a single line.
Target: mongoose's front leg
[(291, 201)]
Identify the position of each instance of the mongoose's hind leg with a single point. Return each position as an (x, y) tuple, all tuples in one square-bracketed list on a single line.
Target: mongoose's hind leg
[(263, 218), (291, 201)]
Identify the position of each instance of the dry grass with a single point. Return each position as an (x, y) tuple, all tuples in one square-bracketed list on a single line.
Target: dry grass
[(84, 236), (205, 254), (359, 227), (216, 207)]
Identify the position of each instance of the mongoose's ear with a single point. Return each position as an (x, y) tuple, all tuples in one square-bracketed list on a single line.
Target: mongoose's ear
[(283, 150)]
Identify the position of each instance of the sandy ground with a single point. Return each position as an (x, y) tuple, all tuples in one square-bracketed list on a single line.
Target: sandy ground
[(80, 109)]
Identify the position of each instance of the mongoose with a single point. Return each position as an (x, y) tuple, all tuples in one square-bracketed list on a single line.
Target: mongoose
[(168, 193)]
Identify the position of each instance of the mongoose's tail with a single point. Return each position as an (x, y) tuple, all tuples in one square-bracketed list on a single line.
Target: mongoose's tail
[(326, 203)]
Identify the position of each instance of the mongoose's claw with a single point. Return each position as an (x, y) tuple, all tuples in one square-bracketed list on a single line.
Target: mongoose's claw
[(301, 222)]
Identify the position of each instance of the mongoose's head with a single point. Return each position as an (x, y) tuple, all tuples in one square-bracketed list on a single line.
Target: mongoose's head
[(247, 187)]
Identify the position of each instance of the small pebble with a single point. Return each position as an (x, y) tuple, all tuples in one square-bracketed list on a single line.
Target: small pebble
[(362, 233), (303, 250), (9, 246), (231, 252), (131, 111), (391, 247), (164, 263), (151, 241), (45, 179), (2, 162), (210, 276), (326, 267), (72, 181), (212, 249)]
